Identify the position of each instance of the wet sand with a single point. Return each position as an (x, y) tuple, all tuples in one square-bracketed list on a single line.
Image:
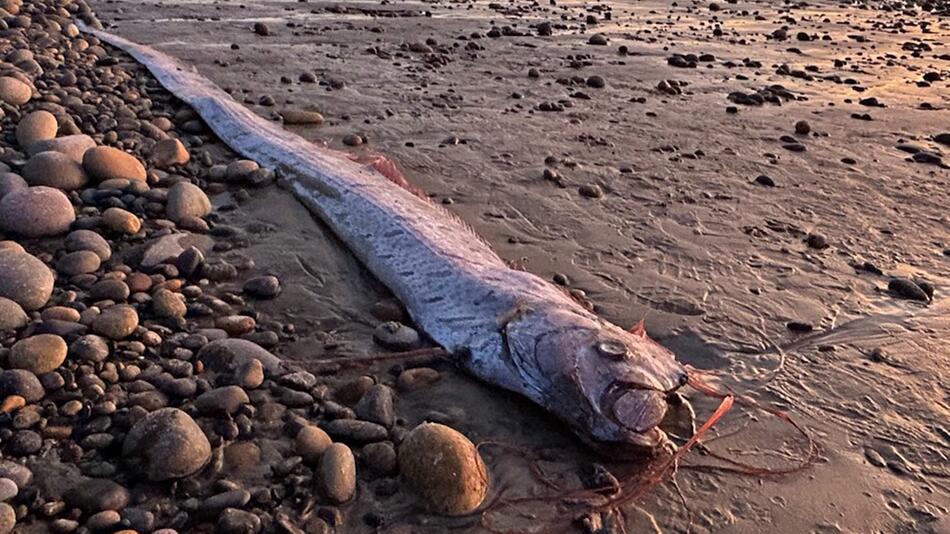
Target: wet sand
[(683, 236)]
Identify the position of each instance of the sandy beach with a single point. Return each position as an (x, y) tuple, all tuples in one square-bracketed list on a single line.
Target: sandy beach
[(748, 178)]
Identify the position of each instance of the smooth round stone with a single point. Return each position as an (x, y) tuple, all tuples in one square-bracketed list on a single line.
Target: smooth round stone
[(114, 290), (121, 221), (336, 474), (262, 287), (444, 469), (292, 116), (61, 313), (240, 170), (8, 489), (14, 92), (79, 262), (396, 336), (74, 146), (186, 200), (36, 126), (95, 495), (167, 303), (167, 444), (380, 457), (90, 348), (10, 182), (88, 240), (23, 383), (251, 375), (311, 442), (228, 355), (116, 322), (25, 279), (36, 212), (38, 354), (25, 443), (12, 316), (168, 152), (7, 518), (234, 521), (105, 520), (54, 169), (18, 473), (225, 400), (106, 163)]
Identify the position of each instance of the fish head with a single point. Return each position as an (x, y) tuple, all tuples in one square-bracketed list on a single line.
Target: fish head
[(611, 385)]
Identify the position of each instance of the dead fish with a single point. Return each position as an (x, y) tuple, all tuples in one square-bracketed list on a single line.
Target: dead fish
[(507, 327)]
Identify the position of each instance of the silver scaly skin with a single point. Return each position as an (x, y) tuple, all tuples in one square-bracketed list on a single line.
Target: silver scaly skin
[(507, 327)]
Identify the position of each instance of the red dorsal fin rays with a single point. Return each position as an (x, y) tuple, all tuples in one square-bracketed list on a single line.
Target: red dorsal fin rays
[(638, 329), (388, 169)]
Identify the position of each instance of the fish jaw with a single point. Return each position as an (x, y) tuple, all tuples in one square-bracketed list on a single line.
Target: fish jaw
[(609, 385)]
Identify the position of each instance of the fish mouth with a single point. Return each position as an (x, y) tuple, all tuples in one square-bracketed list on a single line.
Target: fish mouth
[(636, 410)]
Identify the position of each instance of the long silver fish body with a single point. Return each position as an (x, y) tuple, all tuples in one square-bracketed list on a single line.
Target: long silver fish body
[(507, 327)]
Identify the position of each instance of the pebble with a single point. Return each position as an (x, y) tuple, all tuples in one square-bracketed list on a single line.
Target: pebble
[(95, 495), (108, 163), (25, 279), (23, 383), (12, 316), (234, 521), (88, 240), (262, 287), (590, 191), (116, 322), (228, 355), (381, 457), (396, 336), (444, 469), (54, 169), (310, 443), (240, 170), (417, 378), (186, 200), (169, 304), (90, 348), (225, 400), (8, 489), (169, 152), (74, 146), (36, 212), (355, 431), (376, 406), (36, 126), (167, 444), (336, 474), (10, 182), (38, 354), (7, 518), (908, 289), (301, 117), (14, 92), (121, 221), (18, 473), (105, 520), (79, 262)]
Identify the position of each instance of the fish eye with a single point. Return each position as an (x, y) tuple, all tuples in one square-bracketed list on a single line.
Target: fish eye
[(612, 349)]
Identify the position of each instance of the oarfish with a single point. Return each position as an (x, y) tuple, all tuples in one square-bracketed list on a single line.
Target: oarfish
[(505, 326)]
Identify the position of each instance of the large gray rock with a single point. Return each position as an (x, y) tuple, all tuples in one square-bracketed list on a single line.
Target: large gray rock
[(24, 279), (166, 444), (36, 212)]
